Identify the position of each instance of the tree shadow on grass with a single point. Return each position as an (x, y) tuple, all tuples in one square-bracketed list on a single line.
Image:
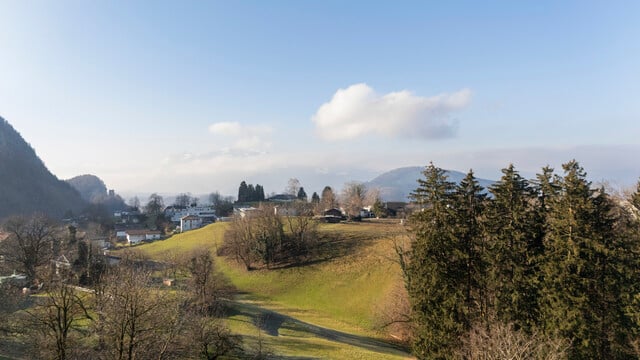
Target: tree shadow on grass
[(272, 323)]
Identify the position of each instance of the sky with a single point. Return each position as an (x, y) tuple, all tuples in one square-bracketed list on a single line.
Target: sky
[(197, 96)]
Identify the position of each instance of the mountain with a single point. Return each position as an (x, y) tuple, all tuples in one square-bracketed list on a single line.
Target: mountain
[(26, 185), (93, 190), (90, 187), (398, 184)]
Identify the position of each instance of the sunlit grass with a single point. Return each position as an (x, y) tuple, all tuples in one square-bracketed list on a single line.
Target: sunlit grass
[(341, 293)]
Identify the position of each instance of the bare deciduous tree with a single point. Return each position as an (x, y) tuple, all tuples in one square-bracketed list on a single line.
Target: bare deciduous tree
[(57, 320), (302, 232), (31, 244), (353, 197), (136, 320), (207, 285), (501, 341), (293, 186)]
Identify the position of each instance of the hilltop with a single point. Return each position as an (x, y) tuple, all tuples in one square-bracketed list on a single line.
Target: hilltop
[(397, 184), (93, 190), (26, 185)]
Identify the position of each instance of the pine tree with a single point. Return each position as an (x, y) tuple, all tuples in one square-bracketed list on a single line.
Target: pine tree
[(514, 239), (315, 198), (432, 280)]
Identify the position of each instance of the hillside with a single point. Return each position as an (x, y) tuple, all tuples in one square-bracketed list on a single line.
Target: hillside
[(26, 185), (397, 184), (330, 309)]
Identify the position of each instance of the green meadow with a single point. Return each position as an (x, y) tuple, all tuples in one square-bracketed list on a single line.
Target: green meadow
[(330, 308)]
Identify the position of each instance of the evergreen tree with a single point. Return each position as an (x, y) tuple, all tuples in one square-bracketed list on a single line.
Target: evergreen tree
[(315, 199), (472, 259), (251, 193), (431, 277), (243, 192), (586, 271), (259, 192), (302, 195), (513, 235), (635, 197)]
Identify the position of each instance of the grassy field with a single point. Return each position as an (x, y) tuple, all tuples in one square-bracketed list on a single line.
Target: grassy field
[(329, 309)]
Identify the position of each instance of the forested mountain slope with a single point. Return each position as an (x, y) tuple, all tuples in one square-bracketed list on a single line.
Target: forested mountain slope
[(26, 185)]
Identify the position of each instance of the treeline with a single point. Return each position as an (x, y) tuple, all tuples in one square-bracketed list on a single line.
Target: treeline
[(550, 260), (249, 193)]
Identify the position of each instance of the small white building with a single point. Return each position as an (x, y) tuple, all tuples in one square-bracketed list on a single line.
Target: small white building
[(137, 236), (176, 213), (190, 222)]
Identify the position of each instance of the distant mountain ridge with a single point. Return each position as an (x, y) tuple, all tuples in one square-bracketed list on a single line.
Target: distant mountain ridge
[(26, 185), (398, 184)]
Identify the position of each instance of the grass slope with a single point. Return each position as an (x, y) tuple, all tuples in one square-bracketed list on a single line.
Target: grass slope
[(342, 294)]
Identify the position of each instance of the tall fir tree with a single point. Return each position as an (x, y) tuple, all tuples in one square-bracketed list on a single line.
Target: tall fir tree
[(243, 192), (513, 234), (432, 279), (259, 192), (586, 273), (469, 203)]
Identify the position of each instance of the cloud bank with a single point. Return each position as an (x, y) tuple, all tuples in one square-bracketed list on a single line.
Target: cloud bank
[(358, 111)]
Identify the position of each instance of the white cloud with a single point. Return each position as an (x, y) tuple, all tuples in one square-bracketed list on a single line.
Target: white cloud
[(233, 128), (358, 110), (244, 137)]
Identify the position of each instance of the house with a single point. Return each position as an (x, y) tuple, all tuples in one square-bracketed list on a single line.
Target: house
[(333, 212), (333, 215), (190, 222), (176, 212), (282, 198), (137, 236)]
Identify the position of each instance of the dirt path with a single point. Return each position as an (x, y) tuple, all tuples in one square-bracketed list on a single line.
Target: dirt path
[(271, 322)]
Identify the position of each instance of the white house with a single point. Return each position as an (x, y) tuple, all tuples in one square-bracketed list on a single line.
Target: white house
[(137, 236), (176, 212), (190, 222)]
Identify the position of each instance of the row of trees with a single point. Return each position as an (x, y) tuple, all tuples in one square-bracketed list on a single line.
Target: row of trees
[(553, 257), (249, 193)]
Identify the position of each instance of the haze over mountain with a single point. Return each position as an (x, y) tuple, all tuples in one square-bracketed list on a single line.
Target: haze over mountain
[(26, 185), (93, 190), (397, 184)]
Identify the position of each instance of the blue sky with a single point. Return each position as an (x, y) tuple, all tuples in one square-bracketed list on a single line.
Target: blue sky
[(194, 97)]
